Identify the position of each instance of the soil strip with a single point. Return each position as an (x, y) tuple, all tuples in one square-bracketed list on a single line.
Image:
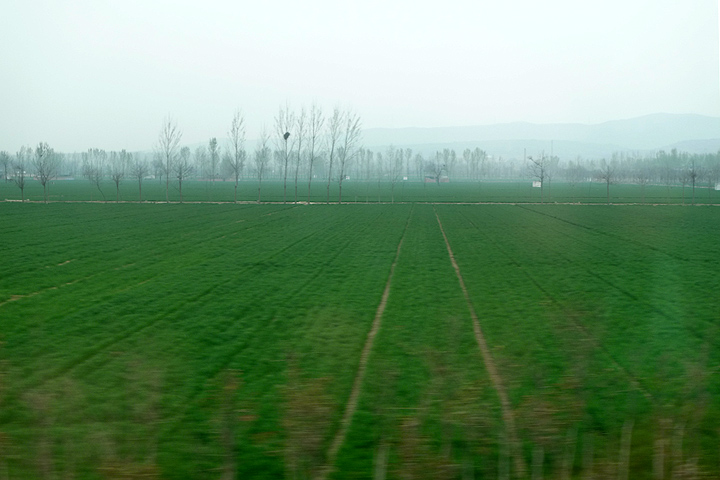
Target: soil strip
[(351, 405), (507, 413)]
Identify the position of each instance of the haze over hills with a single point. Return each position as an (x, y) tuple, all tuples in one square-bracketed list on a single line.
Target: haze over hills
[(647, 134), (687, 132)]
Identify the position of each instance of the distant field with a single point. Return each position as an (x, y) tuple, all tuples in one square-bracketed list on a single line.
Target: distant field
[(365, 192), (202, 340)]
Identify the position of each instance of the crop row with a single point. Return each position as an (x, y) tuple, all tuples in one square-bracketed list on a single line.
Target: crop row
[(239, 291), (427, 408), (193, 341), (592, 338)]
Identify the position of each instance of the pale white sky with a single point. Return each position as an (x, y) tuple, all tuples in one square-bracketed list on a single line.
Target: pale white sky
[(94, 73)]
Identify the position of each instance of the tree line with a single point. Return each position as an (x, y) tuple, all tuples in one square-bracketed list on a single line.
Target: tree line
[(308, 145)]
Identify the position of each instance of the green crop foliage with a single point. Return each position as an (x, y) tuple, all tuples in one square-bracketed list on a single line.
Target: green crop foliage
[(206, 340)]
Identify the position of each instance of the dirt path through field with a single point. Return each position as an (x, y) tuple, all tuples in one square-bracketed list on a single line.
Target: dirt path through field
[(15, 298), (574, 322), (507, 413), (351, 405)]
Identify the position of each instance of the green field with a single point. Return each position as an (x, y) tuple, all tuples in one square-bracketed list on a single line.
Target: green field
[(223, 341), (515, 191)]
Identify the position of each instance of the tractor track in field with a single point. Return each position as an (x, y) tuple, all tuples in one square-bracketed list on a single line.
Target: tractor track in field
[(249, 335), (495, 378), (692, 330), (642, 245), (351, 405), (632, 379), (96, 350), (15, 298)]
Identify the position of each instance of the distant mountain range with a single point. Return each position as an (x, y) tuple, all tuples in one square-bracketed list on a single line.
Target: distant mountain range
[(686, 132)]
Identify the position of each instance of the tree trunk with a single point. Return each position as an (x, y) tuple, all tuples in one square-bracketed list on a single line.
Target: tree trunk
[(693, 192), (285, 174), (608, 191), (297, 171), (328, 183)]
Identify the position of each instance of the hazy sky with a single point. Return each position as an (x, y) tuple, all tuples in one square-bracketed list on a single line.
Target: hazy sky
[(81, 74)]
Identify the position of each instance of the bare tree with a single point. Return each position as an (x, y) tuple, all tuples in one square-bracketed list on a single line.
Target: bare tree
[(539, 169), (670, 163), (333, 137), (607, 174), (94, 167), (395, 161), (437, 167), (283, 124), (694, 171), (300, 132), (20, 166), (408, 157), (45, 164), (315, 129), (237, 145), (349, 148), (262, 157), (479, 159), (366, 158), (641, 175), (712, 173), (575, 173), (119, 164), (380, 171), (168, 142), (182, 168), (213, 161), (201, 159), (213, 158), (6, 162), (449, 160), (158, 167), (419, 162), (468, 159), (139, 170)]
